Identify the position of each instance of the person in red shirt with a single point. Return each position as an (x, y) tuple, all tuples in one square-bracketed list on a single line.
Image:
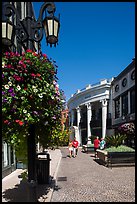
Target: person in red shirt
[(75, 146), (96, 145)]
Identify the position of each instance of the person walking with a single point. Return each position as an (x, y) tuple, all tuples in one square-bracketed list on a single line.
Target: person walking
[(96, 145), (75, 147), (102, 143)]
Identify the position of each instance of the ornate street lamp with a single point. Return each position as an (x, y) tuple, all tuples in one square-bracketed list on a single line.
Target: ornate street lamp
[(29, 30)]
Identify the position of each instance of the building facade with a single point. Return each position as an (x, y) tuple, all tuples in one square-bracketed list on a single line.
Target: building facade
[(90, 111)]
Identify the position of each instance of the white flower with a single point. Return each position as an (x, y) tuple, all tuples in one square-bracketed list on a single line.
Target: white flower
[(3, 64), (24, 111), (34, 87), (26, 119), (6, 86), (47, 84), (10, 78), (10, 83), (28, 114), (35, 90), (22, 97), (40, 95), (52, 97), (18, 87)]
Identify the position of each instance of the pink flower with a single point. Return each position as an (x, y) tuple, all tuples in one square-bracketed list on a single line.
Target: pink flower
[(33, 75)]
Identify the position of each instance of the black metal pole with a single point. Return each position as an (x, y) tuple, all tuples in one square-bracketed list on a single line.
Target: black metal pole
[(31, 137), (32, 195)]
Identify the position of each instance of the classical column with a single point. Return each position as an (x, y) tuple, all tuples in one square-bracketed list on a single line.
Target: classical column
[(89, 114), (104, 117), (78, 121)]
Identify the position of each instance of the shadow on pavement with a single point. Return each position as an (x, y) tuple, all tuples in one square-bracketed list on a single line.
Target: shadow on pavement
[(17, 194)]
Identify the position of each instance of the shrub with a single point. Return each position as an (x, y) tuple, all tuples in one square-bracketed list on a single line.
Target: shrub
[(114, 140), (121, 148)]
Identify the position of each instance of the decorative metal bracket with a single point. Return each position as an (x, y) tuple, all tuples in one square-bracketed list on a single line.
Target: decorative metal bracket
[(36, 32)]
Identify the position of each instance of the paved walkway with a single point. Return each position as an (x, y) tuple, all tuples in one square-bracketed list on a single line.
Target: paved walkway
[(82, 179), (14, 189)]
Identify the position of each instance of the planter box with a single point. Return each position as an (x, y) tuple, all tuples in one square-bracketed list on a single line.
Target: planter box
[(110, 159), (87, 148)]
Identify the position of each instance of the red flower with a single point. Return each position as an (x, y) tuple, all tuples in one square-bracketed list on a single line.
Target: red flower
[(6, 121), (21, 123), (38, 74), (35, 54), (28, 50), (44, 55), (17, 121)]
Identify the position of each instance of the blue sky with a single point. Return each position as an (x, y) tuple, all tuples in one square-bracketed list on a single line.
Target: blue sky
[(96, 41)]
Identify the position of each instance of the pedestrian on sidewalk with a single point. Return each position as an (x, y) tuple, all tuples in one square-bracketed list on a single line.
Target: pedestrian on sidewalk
[(71, 149), (75, 146), (96, 145)]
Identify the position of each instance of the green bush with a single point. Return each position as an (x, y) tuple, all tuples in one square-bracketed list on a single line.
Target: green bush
[(121, 148)]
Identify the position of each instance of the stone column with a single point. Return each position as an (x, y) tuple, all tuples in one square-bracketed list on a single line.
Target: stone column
[(89, 114), (104, 117), (78, 121)]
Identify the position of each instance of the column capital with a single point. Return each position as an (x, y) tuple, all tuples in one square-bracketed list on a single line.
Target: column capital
[(104, 102), (78, 108), (88, 106)]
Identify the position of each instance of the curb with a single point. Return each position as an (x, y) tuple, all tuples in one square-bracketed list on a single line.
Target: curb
[(53, 184)]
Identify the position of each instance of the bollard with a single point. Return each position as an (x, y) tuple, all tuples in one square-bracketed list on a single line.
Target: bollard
[(32, 194)]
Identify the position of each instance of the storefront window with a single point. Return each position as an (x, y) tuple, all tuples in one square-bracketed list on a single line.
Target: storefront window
[(132, 101), (117, 108), (125, 104)]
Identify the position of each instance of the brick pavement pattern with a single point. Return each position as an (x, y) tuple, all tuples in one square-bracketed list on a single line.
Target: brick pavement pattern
[(82, 179)]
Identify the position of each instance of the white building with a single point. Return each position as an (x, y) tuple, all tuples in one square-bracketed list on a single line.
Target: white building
[(89, 110)]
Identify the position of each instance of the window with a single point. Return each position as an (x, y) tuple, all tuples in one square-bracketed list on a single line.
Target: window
[(116, 87), (132, 101), (133, 75), (125, 104), (117, 108), (124, 82)]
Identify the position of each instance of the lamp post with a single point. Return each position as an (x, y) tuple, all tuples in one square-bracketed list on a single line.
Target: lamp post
[(29, 31)]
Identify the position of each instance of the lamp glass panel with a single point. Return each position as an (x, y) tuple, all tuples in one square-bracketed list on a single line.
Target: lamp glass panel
[(55, 28), (9, 31), (3, 30), (50, 26)]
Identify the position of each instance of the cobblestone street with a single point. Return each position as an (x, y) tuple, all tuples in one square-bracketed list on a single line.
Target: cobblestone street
[(82, 179)]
